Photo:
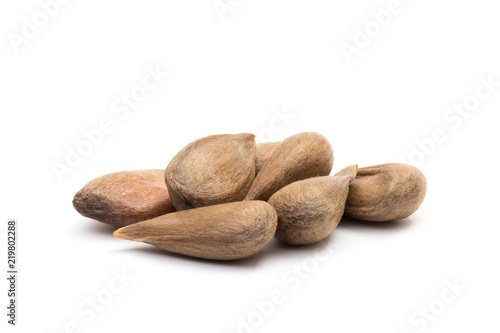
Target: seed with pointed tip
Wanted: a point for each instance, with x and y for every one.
(125, 197)
(221, 232)
(310, 209)
(386, 192)
(298, 157)
(213, 170)
(263, 152)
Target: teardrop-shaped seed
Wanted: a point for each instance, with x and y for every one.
(310, 209)
(386, 192)
(298, 157)
(213, 170)
(263, 152)
(221, 232)
(125, 197)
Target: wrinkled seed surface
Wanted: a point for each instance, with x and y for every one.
(125, 197)
(386, 192)
(221, 232)
(309, 210)
(298, 157)
(213, 170)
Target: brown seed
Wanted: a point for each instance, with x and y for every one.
(298, 157)
(212, 170)
(263, 152)
(386, 192)
(310, 209)
(221, 232)
(125, 197)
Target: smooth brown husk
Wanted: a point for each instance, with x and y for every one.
(221, 232)
(213, 170)
(263, 152)
(125, 197)
(298, 157)
(309, 210)
(386, 192)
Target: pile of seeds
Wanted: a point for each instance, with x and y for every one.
(224, 197)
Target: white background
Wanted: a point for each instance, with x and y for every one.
(230, 76)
